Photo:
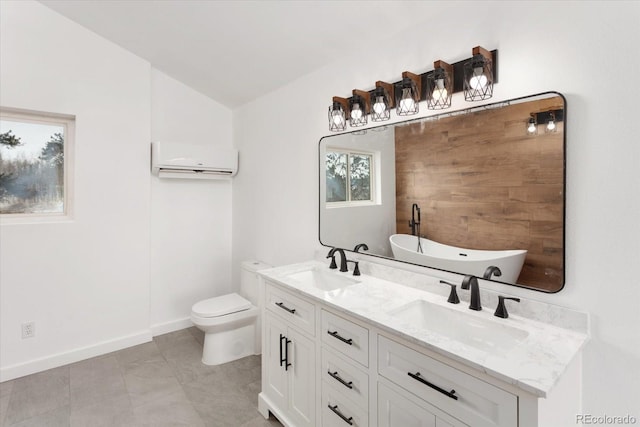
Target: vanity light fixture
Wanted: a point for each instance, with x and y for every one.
(440, 86)
(478, 75)
(532, 126)
(551, 123)
(474, 76)
(383, 102)
(359, 106)
(408, 94)
(338, 114)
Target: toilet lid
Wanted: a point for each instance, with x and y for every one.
(219, 306)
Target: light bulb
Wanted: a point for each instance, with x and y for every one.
(551, 126)
(356, 112)
(379, 105)
(532, 126)
(407, 104)
(479, 80)
(439, 92)
(337, 117)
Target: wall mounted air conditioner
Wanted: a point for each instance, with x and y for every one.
(177, 160)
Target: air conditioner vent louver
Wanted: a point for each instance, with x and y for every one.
(177, 160)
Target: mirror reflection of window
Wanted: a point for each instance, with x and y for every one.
(348, 177)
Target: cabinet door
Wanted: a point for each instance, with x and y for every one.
(396, 411)
(275, 385)
(302, 376)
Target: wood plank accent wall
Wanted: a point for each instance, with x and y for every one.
(483, 183)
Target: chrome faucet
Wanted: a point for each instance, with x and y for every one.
(343, 259)
(472, 281)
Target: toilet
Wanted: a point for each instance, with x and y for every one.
(231, 322)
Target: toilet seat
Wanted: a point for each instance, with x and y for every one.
(221, 306)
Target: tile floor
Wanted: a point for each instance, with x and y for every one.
(160, 383)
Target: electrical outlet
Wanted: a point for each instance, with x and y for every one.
(28, 330)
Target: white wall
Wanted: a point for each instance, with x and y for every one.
(190, 219)
(84, 282)
(584, 50)
(139, 251)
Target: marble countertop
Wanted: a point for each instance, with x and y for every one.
(534, 365)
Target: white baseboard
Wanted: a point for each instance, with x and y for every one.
(172, 326)
(38, 365)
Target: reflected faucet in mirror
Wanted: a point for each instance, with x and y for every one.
(362, 246)
(492, 270)
(415, 225)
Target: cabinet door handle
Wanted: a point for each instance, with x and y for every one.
(416, 376)
(284, 307)
(336, 335)
(341, 415)
(336, 377)
(286, 354)
(282, 360)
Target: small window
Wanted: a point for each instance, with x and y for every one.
(349, 177)
(34, 163)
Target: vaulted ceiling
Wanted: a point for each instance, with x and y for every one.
(237, 51)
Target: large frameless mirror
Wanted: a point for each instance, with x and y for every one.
(479, 191)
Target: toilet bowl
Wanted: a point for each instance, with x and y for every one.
(230, 322)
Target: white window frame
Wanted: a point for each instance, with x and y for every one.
(372, 179)
(68, 123)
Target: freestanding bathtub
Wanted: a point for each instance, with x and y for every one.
(459, 260)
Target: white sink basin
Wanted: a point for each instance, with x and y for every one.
(326, 280)
(483, 334)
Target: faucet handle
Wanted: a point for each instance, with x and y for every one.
(356, 269)
(331, 255)
(453, 296)
(501, 310)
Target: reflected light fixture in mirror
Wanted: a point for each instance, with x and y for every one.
(338, 114)
(408, 94)
(382, 102)
(532, 126)
(440, 86)
(359, 108)
(478, 76)
(551, 124)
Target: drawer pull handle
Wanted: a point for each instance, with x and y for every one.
(416, 376)
(341, 415)
(336, 377)
(336, 335)
(284, 307)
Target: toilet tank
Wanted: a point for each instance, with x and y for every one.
(249, 279)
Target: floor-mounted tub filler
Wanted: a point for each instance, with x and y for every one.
(460, 260)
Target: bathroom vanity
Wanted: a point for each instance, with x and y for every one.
(386, 349)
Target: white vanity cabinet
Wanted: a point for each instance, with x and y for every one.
(289, 359)
(327, 366)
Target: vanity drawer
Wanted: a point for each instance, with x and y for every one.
(463, 396)
(340, 411)
(295, 310)
(346, 377)
(346, 337)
